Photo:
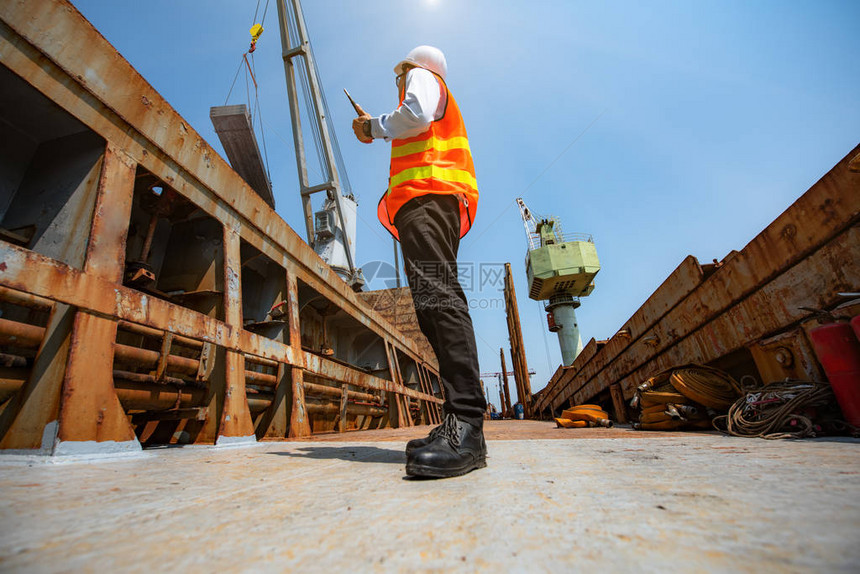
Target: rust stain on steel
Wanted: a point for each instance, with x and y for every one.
(88, 385)
(299, 423)
(106, 246)
(772, 308)
(787, 355)
(51, 279)
(236, 416)
(798, 260)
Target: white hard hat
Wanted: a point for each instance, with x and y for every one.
(426, 57)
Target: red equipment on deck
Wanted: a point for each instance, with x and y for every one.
(838, 350)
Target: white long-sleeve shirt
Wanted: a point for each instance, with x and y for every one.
(423, 103)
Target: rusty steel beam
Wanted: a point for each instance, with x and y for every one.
(265, 380)
(678, 285)
(261, 379)
(518, 352)
(56, 51)
(551, 389)
(806, 256)
(773, 307)
(88, 387)
(299, 423)
(123, 103)
(24, 268)
(563, 376)
(506, 401)
(236, 421)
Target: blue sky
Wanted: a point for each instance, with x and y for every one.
(663, 128)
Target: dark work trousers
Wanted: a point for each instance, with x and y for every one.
(429, 228)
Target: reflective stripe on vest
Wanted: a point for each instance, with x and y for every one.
(434, 172)
(438, 161)
(458, 142)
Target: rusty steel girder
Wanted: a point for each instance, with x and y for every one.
(114, 358)
(518, 351)
(747, 311)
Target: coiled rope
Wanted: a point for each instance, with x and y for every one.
(779, 410)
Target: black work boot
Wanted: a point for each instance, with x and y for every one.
(457, 448)
(417, 443)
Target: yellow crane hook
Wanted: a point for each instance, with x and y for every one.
(256, 31)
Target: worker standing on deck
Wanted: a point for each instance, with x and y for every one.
(429, 206)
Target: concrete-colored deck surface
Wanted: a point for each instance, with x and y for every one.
(608, 501)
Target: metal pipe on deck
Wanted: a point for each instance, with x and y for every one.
(329, 408)
(126, 355)
(11, 379)
(154, 397)
(156, 334)
(313, 388)
(151, 379)
(20, 335)
(7, 360)
(25, 299)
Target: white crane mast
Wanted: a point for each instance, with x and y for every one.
(331, 230)
(530, 224)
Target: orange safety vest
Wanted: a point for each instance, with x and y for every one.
(436, 161)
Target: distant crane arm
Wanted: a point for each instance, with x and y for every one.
(529, 223)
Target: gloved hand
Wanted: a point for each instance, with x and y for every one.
(358, 127)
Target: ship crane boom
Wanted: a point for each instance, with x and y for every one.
(529, 223)
(560, 269)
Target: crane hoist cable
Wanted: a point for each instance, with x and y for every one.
(251, 71)
(256, 10)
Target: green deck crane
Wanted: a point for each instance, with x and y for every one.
(560, 269)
